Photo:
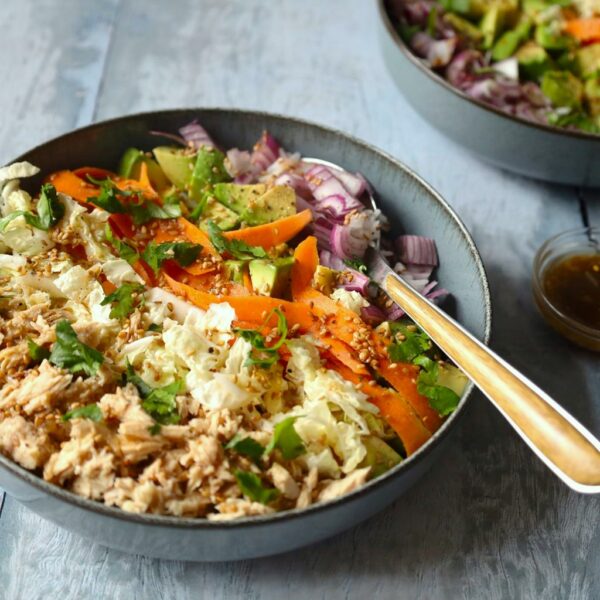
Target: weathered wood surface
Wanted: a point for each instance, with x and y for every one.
(488, 521)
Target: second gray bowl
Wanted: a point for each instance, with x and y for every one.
(538, 151)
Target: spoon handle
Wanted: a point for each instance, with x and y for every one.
(569, 449)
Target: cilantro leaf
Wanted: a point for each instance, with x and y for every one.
(247, 447)
(159, 403)
(141, 211)
(90, 411)
(415, 342)
(184, 253)
(132, 377)
(49, 208)
(125, 251)
(286, 439)
(154, 429)
(442, 399)
(124, 300)
(37, 353)
(252, 487)
(69, 353)
(50, 211)
(262, 355)
(236, 248)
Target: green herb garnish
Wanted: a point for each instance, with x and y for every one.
(286, 439)
(183, 253)
(442, 399)
(262, 355)
(50, 211)
(125, 300)
(140, 210)
(70, 354)
(247, 447)
(125, 251)
(90, 411)
(415, 342)
(37, 353)
(236, 248)
(159, 403)
(252, 487)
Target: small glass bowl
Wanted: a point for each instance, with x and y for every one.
(570, 243)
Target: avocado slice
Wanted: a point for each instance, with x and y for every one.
(509, 41)
(380, 456)
(562, 88)
(548, 36)
(451, 377)
(271, 277)
(255, 204)
(130, 165)
(209, 169)
(491, 25)
(224, 217)
(463, 26)
(176, 163)
(534, 61)
(587, 61)
(234, 270)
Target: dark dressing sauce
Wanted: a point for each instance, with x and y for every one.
(573, 286)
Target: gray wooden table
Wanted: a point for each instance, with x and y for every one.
(488, 521)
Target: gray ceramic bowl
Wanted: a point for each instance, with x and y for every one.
(539, 151)
(412, 206)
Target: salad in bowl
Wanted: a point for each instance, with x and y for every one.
(195, 333)
(534, 59)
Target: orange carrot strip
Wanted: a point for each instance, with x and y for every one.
(306, 260)
(251, 309)
(272, 234)
(66, 182)
(585, 30)
(343, 323)
(394, 408)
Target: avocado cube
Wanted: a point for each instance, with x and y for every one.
(549, 36)
(463, 26)
(209, 169)
(587, 61)
(234, 270)
(509, 41)
(491, 25)
(562, 88)
(214, 211)
(325, 279)
(533, 60)
(271, 277)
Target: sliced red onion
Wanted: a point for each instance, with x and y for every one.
(302, 204)
(345, 244)
(316, 175)
(437, 53)
(238, 162)
(354, 183)
(462, 68)
(334, 207)
(354, 281)
(265, 151)
(333, 187)
(245, 178)
(171, 136)
(296, 182)
(322, 231)
(393, 313)
(417, 250)
(327, 259)
(372, 314)
(193, 133)
(416, 275)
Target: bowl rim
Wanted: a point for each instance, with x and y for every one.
(167, 521)
(410, 56)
